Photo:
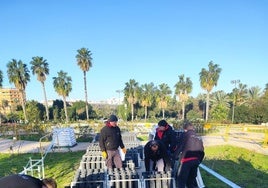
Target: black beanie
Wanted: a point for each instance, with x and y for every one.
(113, 118)
(162, 123)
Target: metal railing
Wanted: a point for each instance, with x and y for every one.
(219, 177)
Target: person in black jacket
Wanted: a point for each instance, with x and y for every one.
(156, 156)
(191, 153)
(110, 141)
(167, 135)
(26, 181)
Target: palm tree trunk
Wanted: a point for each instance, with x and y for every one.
(85, 87)
(23, 105)
(207, 106)
(46, 104)
(183, 110)
(132, 111)
(65, 109)
(145, 110)
(163, 112)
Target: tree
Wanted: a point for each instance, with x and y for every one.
(35, 111)
(84, 61)
(18, 74)
(63, 86)
(40, 68)
(163, 97)
(1, 78)
(147, 94)
(130, 91)
(254, 93)
(241, 94)
(220, 106)
(208, 79)
(183, 88)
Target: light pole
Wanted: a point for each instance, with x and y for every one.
(119, 91)
(234, 98)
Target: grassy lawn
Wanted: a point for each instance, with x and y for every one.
(239, 165)
(243, 167)
(61, 166)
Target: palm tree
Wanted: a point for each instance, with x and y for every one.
(63, 86)
(208, 79)
(220, 105)
(18, 74)
(234, 97)
(163, 96)
(241, 94)
(254, 93)
(130, 91)
(147, 94)
(84, 61)
(1, 78)
(40, 68)
(183, 88)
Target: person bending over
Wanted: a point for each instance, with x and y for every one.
(156, 156)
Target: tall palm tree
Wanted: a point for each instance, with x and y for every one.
(1, 78)
(163, 97)
(147, 94)
(84, 61)
(130, 91)
(40, 68)
(18, 74)
(208, 79)
(183, 88)
(234, 96)
(241, 94)
(63, 86)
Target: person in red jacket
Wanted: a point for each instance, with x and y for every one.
(167, 135)
(110, 141)
(26, 181)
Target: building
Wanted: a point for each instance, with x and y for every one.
(9, 100)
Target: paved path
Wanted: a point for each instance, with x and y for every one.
(21, 146)
(235, 139)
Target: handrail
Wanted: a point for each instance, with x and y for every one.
(40, 143)
(218, 176)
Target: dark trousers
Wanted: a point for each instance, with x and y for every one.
(113, 159)
(187, 174)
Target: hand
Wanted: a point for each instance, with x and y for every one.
(124, 150)
(104, 154)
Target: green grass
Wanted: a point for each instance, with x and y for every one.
(61, 166)
(241, 166)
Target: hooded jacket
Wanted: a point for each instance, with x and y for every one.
(168, 137)
(110, 138)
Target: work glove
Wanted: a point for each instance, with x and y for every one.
(104, 154)
(124, 150)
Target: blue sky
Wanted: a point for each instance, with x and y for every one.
(149, 41)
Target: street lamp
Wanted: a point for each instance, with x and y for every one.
(119, 91)
(234, 98)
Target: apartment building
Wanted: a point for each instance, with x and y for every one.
(9, 99)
